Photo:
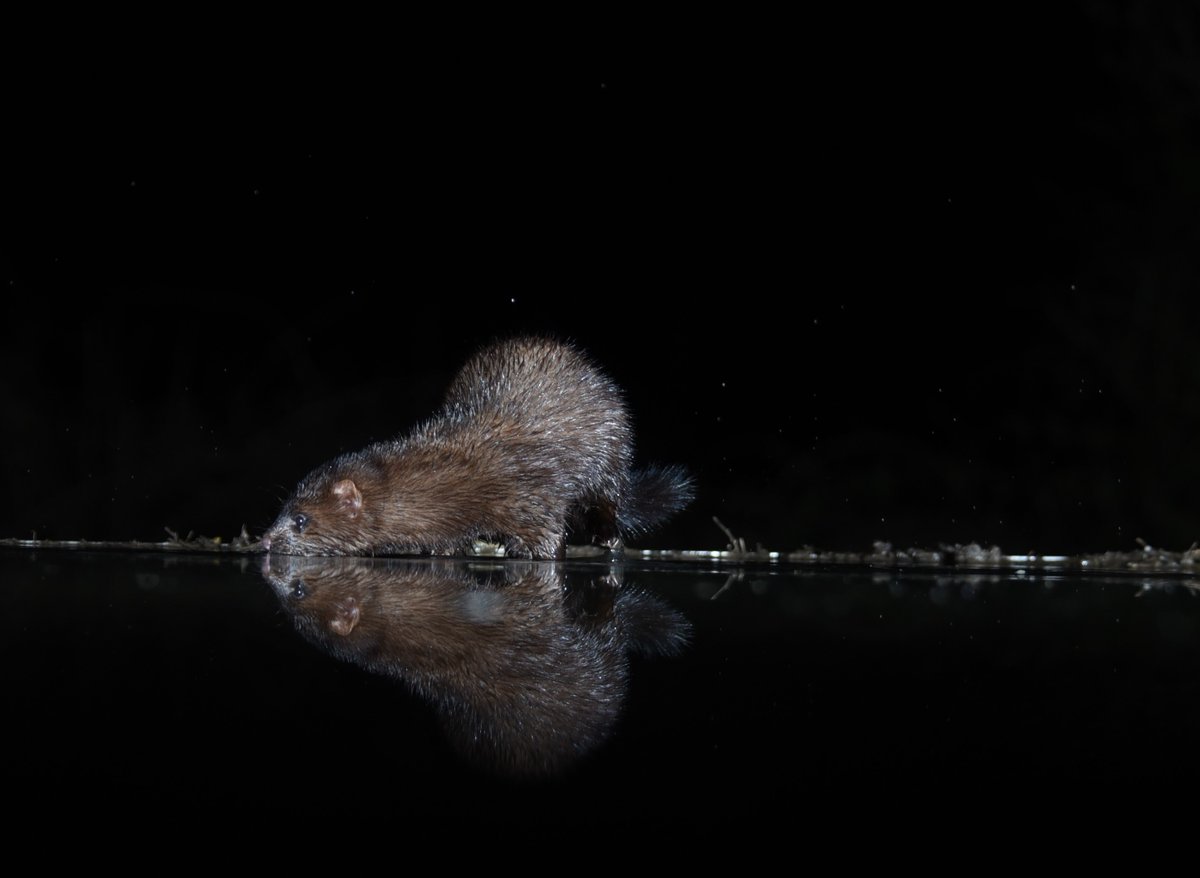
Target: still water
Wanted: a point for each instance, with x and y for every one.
(584, 691)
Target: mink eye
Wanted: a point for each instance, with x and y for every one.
(298, 590)
(301, 521)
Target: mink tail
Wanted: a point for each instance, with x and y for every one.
(654, 495)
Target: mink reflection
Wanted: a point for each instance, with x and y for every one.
(527, 669)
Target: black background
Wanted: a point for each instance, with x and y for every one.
(918, 280)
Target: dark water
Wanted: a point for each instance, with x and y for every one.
(184, 687)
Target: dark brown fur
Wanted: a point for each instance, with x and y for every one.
(532, 438)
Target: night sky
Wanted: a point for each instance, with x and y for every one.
(888, 282)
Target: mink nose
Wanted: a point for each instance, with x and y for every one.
(265, 542)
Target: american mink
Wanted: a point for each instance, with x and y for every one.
(533, 440)
(526, 667)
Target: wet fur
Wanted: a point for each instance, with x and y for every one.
(532, 440)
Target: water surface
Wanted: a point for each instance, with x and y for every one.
(692, 692)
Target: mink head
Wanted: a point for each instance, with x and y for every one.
(327, 514)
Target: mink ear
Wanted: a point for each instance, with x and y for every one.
(345, 616)
(348, 497)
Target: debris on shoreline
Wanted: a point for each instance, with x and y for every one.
(1146, 559)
